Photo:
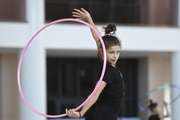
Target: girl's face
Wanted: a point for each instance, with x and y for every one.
(113, 53)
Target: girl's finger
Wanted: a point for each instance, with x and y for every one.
(76, 13)
(67, 112)
(83, 10)
(77, 10)
(77, 16)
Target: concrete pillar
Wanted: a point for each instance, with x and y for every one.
(143, 83)
(175, 73)
(33, 77)
(33, 82)
(178, 7)
(175, 79)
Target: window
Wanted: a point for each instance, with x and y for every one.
(71, 80)
(13, 10)
(102, 11)
(155, 12)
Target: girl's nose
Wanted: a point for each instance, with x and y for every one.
(115, 55)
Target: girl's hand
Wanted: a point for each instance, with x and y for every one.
(165, 103)
(81, 14)
(72, 113)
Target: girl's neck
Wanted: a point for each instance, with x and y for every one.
(154, 112)
(112, 65)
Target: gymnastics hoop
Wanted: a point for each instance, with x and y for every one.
(157, 89)
(23, 53)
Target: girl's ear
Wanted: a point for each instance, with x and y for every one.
(101, 51)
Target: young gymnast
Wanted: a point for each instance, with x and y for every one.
(155, 115)
(106, 103)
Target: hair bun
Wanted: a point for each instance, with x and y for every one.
(150, 101)
(110, 29)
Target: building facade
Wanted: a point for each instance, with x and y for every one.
(155, 44)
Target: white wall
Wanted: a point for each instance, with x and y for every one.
(73, 36)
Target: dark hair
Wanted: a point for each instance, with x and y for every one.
(152, 105)
(110, 29)
(109, 38)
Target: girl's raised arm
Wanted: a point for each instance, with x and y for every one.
(167, 111)
(82, 14)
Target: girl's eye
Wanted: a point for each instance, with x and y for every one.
(111, 52)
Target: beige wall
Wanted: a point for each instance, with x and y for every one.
(8, 87)
(159, 74)
(153, 72)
